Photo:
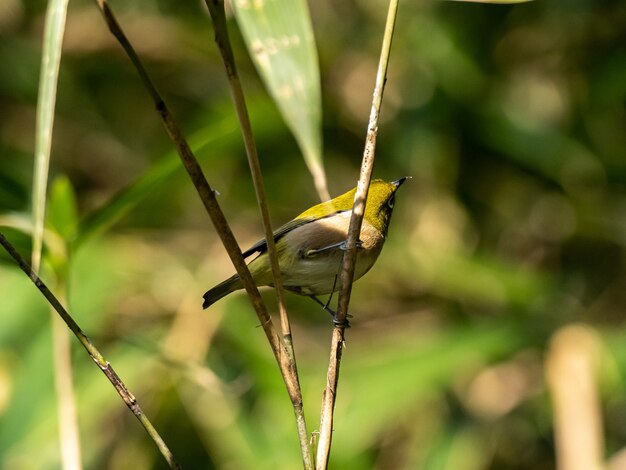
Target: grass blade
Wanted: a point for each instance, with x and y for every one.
(50, 60)
(280, 39)
(124, 201)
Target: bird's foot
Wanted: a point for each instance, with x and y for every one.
(341, 323)
(345, 323)
(343, 246)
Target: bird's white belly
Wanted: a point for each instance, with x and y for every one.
(319, 274)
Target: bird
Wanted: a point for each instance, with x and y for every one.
(310, 247)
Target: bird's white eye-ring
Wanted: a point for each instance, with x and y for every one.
(391, 202)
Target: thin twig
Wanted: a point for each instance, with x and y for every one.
(218, 16)
(216, 9)
(207, 195)
(104, 365)
(349, 259)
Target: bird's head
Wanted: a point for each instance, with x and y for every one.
(380, 201)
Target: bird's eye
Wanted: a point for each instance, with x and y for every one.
(391, 202)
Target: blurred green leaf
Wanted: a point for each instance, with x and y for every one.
(125, 200)
(50, 61)
(32, 411)
(156, 176)
(411, 370)
(62, 210)
(458, 447)
(280, 39)
(494, 1)
(14, 189)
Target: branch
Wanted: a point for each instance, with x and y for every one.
(349, 258)
(103, 364)
(218, 16)
(207, 195)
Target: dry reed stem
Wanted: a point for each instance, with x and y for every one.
(281, 351)
(218, 16)
(349, 258)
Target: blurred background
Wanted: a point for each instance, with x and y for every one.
(504, 275)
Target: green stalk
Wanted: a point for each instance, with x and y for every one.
(50, 63)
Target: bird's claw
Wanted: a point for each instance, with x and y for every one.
(341, 323)
(344, 246)
(345, 323)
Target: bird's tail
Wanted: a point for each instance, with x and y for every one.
(221, 290)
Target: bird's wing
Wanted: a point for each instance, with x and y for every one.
(261, 245)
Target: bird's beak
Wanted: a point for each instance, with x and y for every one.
(398, 183)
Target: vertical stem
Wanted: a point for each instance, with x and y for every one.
(66, 398)
(281, 352)
(349, 258)
(69, 441)
(216, 10)
(571, 376)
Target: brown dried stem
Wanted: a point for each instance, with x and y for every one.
(218, 16)
(349, 258)
(282, 352)
(100, 361)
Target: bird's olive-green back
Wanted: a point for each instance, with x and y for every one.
(377, 210)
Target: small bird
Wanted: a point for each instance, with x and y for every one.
(310, 247)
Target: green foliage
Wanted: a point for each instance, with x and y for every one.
(510, 120)
(50, 60)
(279, 38)
(62, 210)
